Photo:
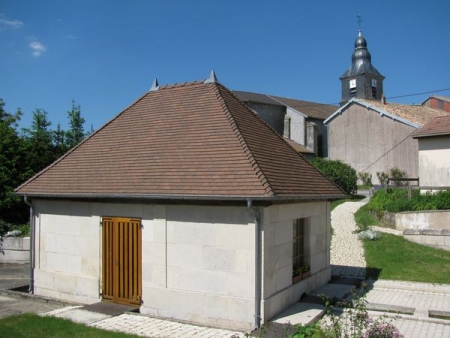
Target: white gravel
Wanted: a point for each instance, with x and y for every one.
(346, 248)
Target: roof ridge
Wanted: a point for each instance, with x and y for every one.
(253, 162)
(181, 84)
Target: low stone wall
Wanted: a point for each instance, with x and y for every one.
(437, 238)
(15, 250)
(420, 220)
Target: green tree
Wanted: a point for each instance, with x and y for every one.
(39, 139)
(59, 141)
(13, 168)
(76, 132)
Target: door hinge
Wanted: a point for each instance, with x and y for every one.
(101, 223)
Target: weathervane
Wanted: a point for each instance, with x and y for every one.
(359, 20)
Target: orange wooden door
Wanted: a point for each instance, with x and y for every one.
(121, 258)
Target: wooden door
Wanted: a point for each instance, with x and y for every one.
(121, 268)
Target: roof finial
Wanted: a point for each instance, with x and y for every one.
(212, 78)
(155, 85)
(359, 20)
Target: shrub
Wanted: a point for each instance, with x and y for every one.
(6, 227)
(397, 201)
(369, 234)
(342, 174)
(355, 321)
(364, 218)
(397, 174)
(382, 177)
(366, 179)
(382, 330)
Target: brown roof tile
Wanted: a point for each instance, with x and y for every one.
(183, 141)
(417, 114)
(438, 126)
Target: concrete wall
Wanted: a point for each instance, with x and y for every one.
(197, 261)
(15, 250)
(434, 161)
(420, 220)
(298, 126)
(372, 143)
(278, 290)
(322, 137)
(430, 237)
(271, 114)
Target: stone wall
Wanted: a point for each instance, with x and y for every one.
(15, 250)
(420, 220)
(437, 238)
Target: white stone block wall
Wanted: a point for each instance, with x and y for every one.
(67, 252)
(279, 292)
(197, 261)
(199, 265)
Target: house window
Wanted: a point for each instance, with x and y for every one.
(300, 249)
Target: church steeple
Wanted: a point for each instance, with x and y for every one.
(361, 80)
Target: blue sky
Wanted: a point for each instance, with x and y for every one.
(106, 54)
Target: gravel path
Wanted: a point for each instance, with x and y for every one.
(347, 252)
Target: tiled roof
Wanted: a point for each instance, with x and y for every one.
(415, 115)
(439, 97)
(438, 126)
(192, 140)
(311, 109)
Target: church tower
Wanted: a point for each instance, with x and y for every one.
(361, 80)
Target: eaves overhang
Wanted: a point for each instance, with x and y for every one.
(382, 112)
(430, 135)
(183, 198)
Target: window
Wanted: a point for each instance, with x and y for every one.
(374, 92)
(299, 252)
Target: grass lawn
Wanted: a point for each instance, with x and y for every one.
(32, 325)
(393, 257)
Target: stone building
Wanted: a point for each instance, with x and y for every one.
(299, 121)
(369, 133)
(186, 205)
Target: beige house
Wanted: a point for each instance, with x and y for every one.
(373, 136)
(186, 205)
(434, 152)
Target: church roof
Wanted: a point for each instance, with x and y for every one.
(439, 126)
(307, 108)
(361, 60)
(413, 115)
(190, 141)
